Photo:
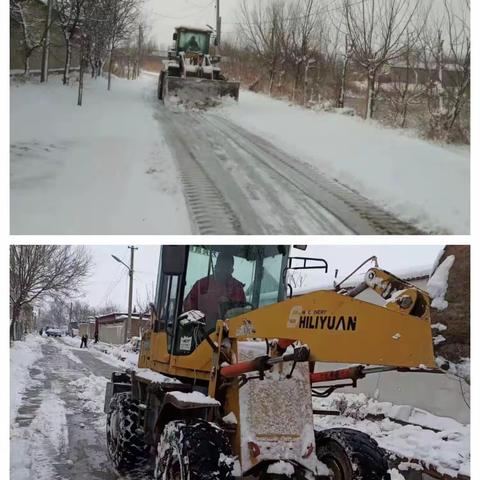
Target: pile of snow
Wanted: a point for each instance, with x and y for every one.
(102, 168)
(438, 442)
(438, 284)
(91, 390)
(421, 182)
(281, 468)
(23, 355)
(194, 397)
(37, 448)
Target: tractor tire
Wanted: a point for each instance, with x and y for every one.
(351, 455)
(194, 450)
(125, 446)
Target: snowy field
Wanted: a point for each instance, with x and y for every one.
(57, 427)
(423, 183)
(100, 168)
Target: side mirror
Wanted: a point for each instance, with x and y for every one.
(173, 259)
(175, 36)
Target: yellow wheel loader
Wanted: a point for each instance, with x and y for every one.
(226, 374)
(191, 75)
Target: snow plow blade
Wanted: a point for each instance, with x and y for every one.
(199, 91)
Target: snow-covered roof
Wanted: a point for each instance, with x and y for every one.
(192, 28)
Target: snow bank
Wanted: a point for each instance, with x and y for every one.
(439, 442)
(103, 168)
(23, 355)
(438, 284)
(35, 449)
(421, 182)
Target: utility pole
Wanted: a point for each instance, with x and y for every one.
(130, 294)
(219, 26)
(136, 74)
(46, 44)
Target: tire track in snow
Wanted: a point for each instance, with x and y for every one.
(347, 205)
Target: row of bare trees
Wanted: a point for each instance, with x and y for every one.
(97, 28)
(309, 50)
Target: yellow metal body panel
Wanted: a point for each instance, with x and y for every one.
(154, 355)
(342, 329)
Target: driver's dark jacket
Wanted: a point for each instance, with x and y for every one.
(209, 287)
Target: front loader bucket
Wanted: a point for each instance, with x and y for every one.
(199, 91)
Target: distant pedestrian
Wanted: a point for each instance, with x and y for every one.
(95, 337)
(84, 341)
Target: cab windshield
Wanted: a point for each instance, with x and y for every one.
(193, 42)
(225, 281)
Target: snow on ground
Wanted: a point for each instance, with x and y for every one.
(421, 182)
(103, 168)
(438, 442)
(91, 389)
(36, 446)
(23, 355)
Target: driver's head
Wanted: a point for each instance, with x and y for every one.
(224, 266)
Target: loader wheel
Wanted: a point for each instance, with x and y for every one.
(126, 447)
(351, 455)
(196, 450)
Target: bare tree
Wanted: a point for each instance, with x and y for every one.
(69, 13)
(34, 29)
(406, 90)
(378, 30)
(122, 22)
(39, 271)
(447, 45)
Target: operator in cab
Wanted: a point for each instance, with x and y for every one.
(214, 294)
(192, 45)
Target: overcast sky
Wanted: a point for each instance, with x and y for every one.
(109, 280)
(164, 15)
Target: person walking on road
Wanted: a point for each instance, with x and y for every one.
(95, 337)
(84, 341)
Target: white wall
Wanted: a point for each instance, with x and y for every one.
(113, 334)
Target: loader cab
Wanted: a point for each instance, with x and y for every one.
(222, 281)
(192, 40)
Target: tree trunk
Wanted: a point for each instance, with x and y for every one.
(80, 77)
(26, 64)
(46, 45)
(372, 76)
(13, 323)
(110, 66)
(68, 57)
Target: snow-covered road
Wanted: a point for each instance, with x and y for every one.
(123, 163)
(58, 431)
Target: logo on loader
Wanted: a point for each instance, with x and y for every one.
(294, 317)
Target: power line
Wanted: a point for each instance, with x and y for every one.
(301, 17)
